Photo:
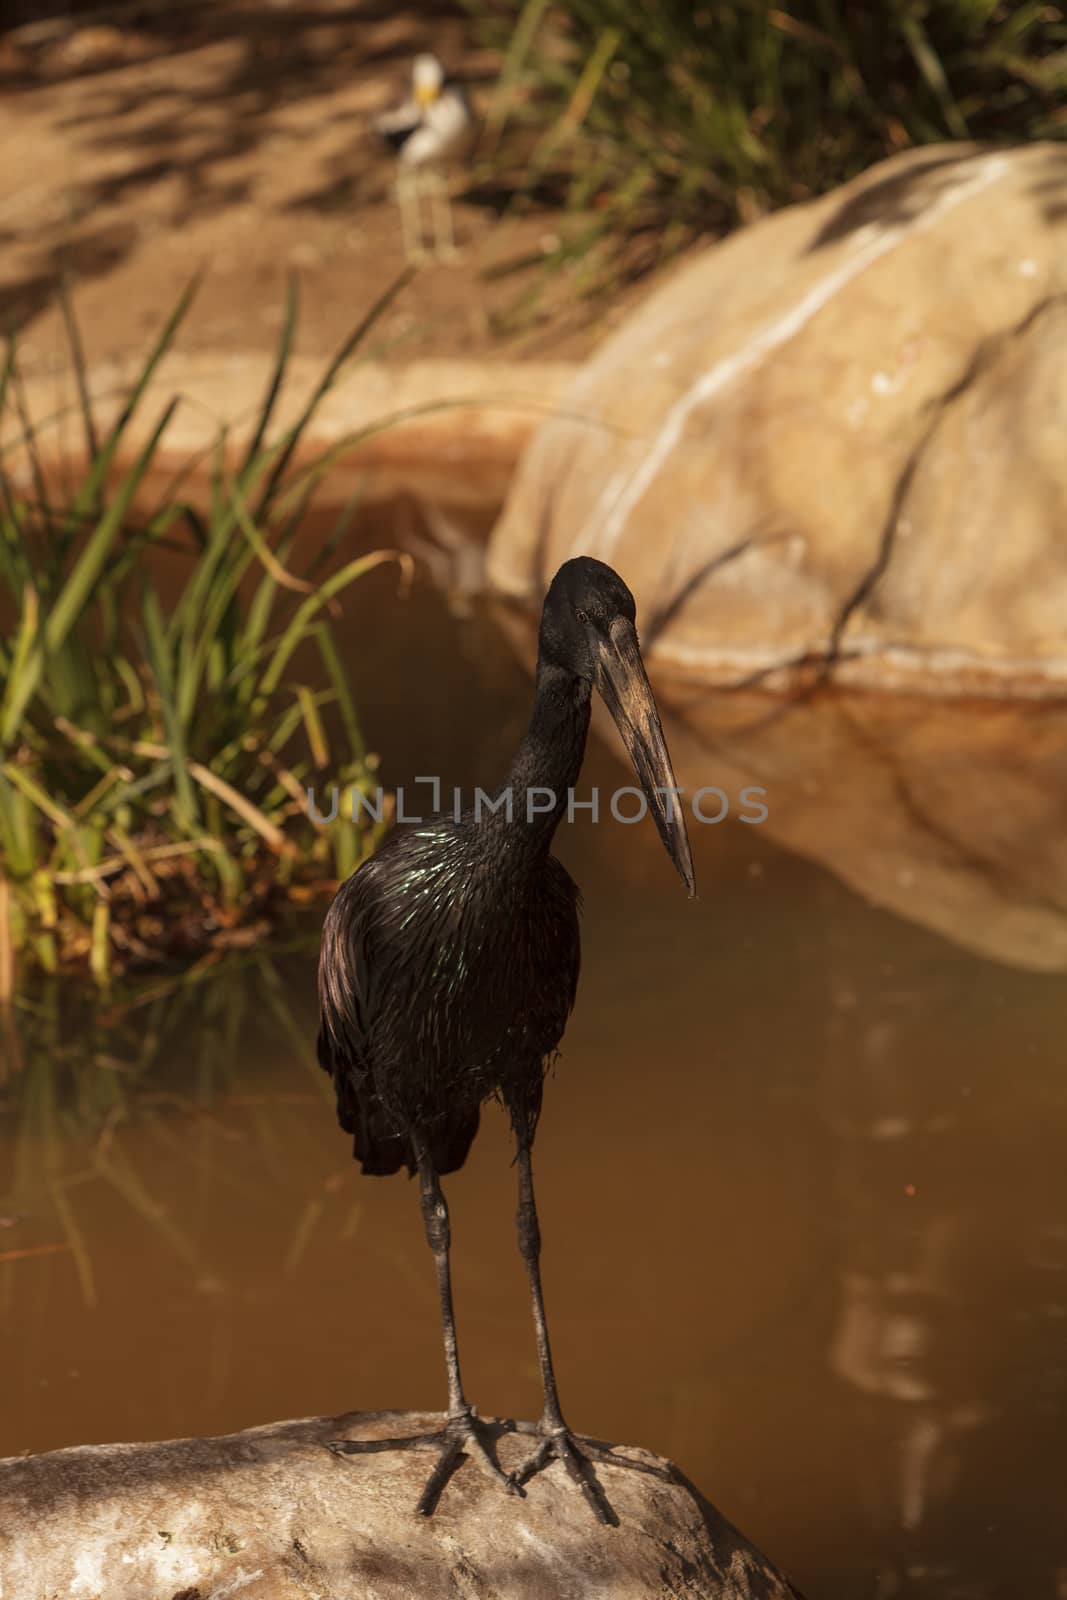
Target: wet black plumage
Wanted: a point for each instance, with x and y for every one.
(450, 961)
(494, 977)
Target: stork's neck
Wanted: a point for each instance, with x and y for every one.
(549, 757)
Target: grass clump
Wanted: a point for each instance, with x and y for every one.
(157, 739)
(652, 124)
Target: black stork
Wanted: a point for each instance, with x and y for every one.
(449, 966)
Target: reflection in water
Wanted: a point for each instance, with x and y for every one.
(952, 1300)
(801, 1172)
(85, 1087)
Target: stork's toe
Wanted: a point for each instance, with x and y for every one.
(463, 1434)
(577, 1454)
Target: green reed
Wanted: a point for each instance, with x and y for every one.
(156, 745)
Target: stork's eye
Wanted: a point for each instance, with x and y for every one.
(581, 616)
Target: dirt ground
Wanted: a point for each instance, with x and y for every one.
(232, 140)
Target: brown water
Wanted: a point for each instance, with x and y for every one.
(801, 1175)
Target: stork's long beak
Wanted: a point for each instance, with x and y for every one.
(627, 693)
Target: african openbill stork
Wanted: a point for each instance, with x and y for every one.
(449, 966)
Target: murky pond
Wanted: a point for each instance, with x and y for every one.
(801, 1173)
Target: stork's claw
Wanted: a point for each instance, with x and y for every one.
(577, 1455)
(463, 1433)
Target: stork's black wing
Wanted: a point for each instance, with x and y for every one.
(346, 1000)
(342, 1034)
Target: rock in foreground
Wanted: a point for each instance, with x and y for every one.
(269, 1514)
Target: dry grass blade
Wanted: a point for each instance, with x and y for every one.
(269, 560)
(242, 808)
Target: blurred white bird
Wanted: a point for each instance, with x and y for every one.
(435, 125)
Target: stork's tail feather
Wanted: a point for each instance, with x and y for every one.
(450, 1140)
(382, 1152)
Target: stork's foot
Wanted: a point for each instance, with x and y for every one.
(463, 1433)
(577, 1454)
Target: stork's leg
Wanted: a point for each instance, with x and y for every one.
(407, 199)
(444, 239)
(556, 1439)
(463, 1430)
(439, 1237)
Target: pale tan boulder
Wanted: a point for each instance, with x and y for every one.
(842, 430)
(834, 448)
(270, 1514)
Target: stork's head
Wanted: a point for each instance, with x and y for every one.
(427, 80)
(588, 628)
